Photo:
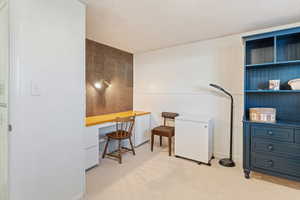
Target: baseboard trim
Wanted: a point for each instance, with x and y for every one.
(177, 92)
(238, 159)
(142, 144)
(80, 196)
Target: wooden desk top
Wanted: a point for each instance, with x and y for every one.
(100, 119)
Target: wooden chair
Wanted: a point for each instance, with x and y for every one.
(123, 131)
(164, 131)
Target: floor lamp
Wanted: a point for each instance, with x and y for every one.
(227, 162)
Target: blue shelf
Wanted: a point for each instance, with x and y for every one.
(288, 62)
(273, 64)
(260, 51)
(278, 122)
(288, 47)
(278, 55)
(273, 57)
(261, 64)
(272, 91)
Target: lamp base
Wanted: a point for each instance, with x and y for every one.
(226, 162)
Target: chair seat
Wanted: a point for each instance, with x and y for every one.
(164, 130)
(118, 135)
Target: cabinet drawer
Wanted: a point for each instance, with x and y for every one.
(142, 129)
(278, 148)
(91, 157)
(91, 136)
(274, 133)
(285, 166)
(297, 136)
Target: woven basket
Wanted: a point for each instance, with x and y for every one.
(263, 115)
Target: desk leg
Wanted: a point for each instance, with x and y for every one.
(120, 152)
(152, 141)
(170, 145)
(105, 149)
(160, 140)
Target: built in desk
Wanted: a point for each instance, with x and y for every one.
(98, 126)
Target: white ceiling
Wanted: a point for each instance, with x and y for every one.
(142, 25)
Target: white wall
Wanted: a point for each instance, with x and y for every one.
(176, 79)
(46, 144)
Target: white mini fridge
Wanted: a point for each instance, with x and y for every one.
(194, 138)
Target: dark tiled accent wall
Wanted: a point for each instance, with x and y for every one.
(115, 66)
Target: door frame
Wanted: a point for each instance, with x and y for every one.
(4, 190)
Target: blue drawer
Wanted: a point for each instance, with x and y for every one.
(273, 133)
(297, 136)
(278, 148)
(276, 164)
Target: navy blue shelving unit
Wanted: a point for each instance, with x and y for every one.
(272, 148)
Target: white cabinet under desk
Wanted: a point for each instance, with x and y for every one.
(91, 146)
(142, 130)
(97, 127)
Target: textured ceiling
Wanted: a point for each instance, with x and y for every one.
(143, 25)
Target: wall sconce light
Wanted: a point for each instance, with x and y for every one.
(99, 85)
(106, 83)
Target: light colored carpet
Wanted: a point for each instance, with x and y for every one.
(156, 176)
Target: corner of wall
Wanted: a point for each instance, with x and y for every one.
(84, 2)
(81, 196)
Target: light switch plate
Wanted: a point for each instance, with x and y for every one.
(35, 89)
(3, 95)
(2, 88)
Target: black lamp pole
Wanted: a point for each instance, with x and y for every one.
(227, 162)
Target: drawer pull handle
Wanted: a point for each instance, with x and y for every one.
(270, 147)
(270, 163)
(270, 133)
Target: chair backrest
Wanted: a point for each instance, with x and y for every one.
(168, 115)
(125, 125)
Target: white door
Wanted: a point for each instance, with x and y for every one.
(46, 97)
(4, 100)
